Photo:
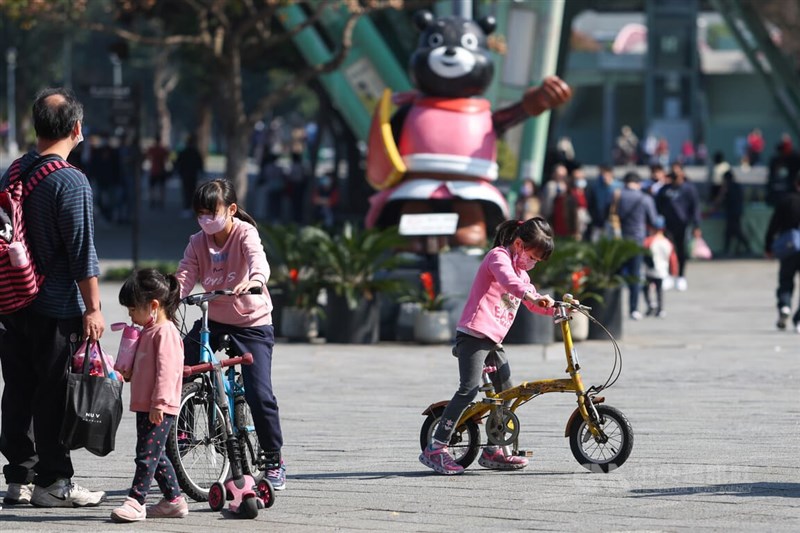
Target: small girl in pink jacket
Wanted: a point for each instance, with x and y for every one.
(156, 378)
(500, 286)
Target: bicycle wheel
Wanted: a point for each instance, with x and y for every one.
(464, 444)
(249, 446)
(196, 450)
(608, 453)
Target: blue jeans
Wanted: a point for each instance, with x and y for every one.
(632, 269)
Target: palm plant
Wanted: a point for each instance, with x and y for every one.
(603, 259)
(354, 263)
(292, 254)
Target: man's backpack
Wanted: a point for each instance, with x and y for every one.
(19, 285)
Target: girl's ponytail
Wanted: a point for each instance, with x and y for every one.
(535, 233)
(173, 298)
(506, 232)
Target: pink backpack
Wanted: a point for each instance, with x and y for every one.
(19, 277)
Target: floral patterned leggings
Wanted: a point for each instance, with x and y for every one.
(151, 459)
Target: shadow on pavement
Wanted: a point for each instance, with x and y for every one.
(762, 488)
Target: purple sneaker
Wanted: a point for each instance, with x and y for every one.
(277, 476)
(440, 460)
(494, 459)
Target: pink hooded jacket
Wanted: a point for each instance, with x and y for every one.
(241, 258)
(495, 296)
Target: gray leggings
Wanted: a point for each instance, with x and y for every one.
(472, 354)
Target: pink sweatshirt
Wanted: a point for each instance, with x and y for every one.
(157, 374)
(241, 258)
(495, 296)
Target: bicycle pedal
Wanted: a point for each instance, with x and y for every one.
(523, 453)
(492, 401)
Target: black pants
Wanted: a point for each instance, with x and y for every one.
(789, 268)
(257, 377)
(656, 283)
(677, 234)
(35, 352)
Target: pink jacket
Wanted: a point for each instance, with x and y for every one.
(157, 374)
(495, 296)
(241, 258)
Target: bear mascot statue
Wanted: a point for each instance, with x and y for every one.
(437, 152)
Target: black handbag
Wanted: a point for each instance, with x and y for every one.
(93, 409)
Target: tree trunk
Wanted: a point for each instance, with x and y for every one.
(164, 82)
(236, 162)
(203, 127)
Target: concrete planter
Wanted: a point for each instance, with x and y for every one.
(299, 324)
(432, 327)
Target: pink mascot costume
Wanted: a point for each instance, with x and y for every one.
(438, 152)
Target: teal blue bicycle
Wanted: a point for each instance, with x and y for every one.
(213, 444)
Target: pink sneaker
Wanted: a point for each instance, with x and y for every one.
(494, 458)
(164, 509)
(440, 460)
(130, 511)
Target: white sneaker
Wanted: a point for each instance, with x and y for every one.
(681, 284)
(18, 494)
(783, 317)
(636, 315)
(668, 283)
(63, 493)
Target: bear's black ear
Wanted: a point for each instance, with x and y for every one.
(488, 24)
(423, 19)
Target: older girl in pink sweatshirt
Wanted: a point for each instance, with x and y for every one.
(227, 254)
(500, 286)
(156, 378)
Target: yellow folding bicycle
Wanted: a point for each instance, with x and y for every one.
(600, 436)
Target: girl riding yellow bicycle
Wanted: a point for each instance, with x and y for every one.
(500, 286)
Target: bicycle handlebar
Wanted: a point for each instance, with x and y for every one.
(194, 299)
(245, 359)
(571, 302)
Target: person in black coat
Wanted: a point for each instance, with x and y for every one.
(189, 166)
(785, 217)
(679, 204)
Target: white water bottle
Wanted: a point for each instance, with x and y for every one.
(17, 255)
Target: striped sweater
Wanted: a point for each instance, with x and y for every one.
(60, 231)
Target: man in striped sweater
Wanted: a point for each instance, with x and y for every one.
(37, 341)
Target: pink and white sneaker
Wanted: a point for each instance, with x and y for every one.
(440, 460)
(493, 458)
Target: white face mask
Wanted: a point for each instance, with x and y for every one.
(79, 139)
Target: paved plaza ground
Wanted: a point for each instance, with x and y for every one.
(709, 391)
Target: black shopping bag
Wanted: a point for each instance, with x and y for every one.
(93, 410)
